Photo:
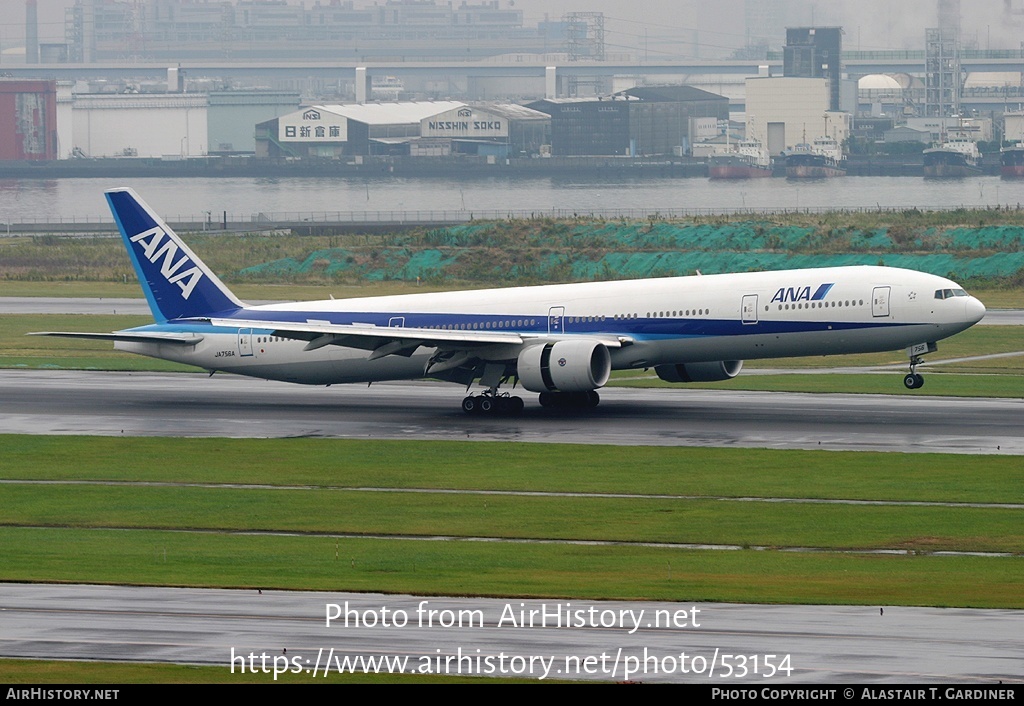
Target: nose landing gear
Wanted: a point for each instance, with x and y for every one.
(914, 380)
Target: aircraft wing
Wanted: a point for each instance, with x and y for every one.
(387, 340)
(183, 339)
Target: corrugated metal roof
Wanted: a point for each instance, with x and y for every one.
(671, 94)
(511, 111)
(401, 113)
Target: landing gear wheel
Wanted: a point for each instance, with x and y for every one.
(502, 405)
(913, 381)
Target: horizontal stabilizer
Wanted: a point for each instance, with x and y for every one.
(184, 339)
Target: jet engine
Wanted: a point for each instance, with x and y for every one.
(700, 372)
(565, 366)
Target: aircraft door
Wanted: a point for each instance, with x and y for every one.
(396, 322)
(556, 319)
(880, 301)
(748, 309)
(245, 342)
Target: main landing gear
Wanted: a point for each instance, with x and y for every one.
(503, 404)
(491, 402)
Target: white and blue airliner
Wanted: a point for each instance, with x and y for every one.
(561, 341)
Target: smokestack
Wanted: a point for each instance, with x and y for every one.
(949, 15)
(31, 31)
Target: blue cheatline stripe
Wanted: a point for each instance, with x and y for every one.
(640, 328)
(822, 291)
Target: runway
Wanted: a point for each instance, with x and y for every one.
(712, 644)
(824, 645)
(155, 404)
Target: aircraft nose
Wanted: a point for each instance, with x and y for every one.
(974, 310)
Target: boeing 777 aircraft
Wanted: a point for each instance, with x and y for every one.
(562, 341)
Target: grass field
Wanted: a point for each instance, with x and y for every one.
(324, 514)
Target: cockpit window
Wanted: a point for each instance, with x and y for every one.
(959, 293)
(949, 293)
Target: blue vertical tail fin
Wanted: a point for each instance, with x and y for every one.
(177, 284)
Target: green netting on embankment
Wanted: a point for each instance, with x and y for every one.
(637, 265)
(1005, 238)
(401, 264)
(638, 235)
(538, 251)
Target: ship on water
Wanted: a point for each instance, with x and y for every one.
(820, 159)
(748, 160)
(956, 156)
(1011, 160)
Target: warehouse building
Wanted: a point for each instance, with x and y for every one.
(429, 128)
(500, 130)
(332, 131)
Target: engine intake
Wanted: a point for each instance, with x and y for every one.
(565, 366)
(715, 371)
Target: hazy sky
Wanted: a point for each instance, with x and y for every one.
(639, 26)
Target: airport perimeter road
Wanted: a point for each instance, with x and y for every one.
(720, 644)
(154, 404)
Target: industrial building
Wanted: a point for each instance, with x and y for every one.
(643, 121)
(784, 112)
(428, 128)
(233, 115)
(139, 125)
(815, 52)
(50, 120)
(28, 120)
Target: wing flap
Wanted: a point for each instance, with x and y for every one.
(370, 337)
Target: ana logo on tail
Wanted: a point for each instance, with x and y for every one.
(159, 246)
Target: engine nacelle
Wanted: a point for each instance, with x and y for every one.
(565, 366)
(715, 371)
